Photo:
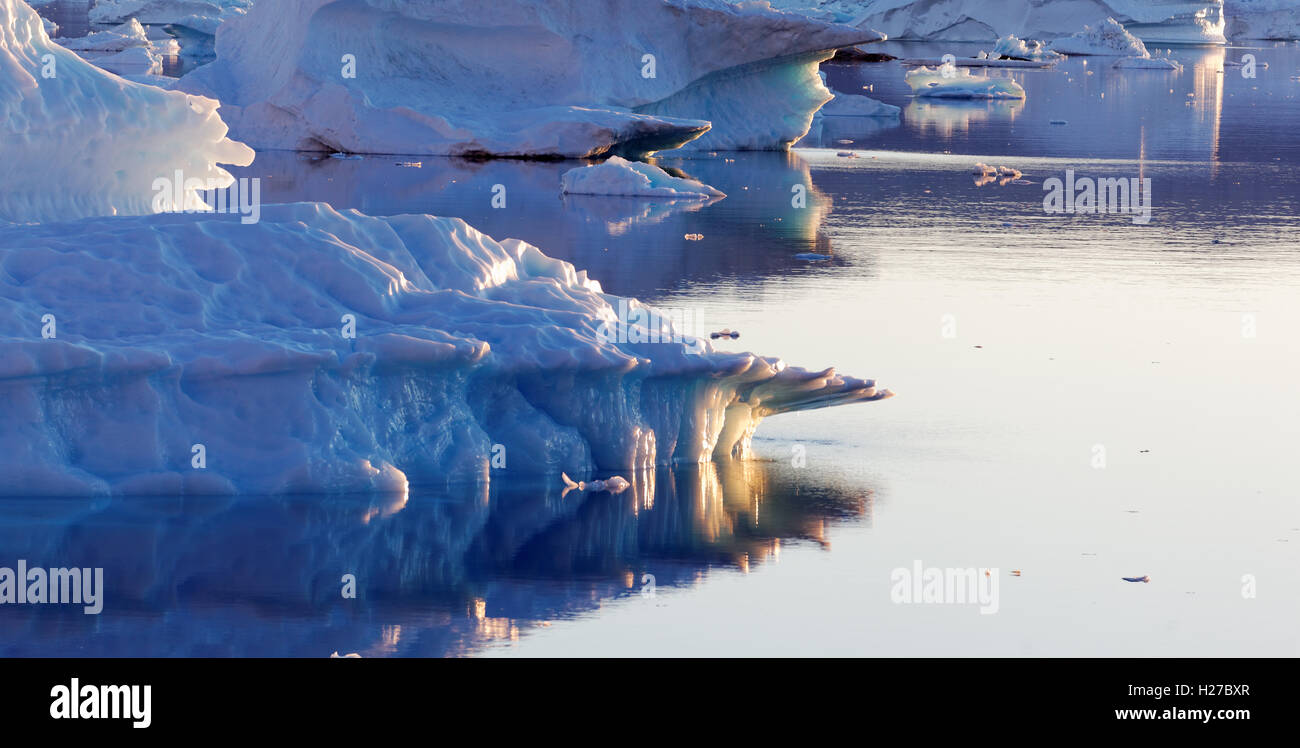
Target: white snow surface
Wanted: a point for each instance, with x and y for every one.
(176, 330)
(618, 176)
(200, 15)
(559, 78)
(951, 82)
(1107, 38)
(85, 142)
(1029, 49)
(1163, 21)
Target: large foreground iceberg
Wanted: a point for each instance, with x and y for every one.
(319, 351)
(1163, 21)
(557, 78)
(77, 141)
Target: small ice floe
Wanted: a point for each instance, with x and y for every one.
(615, 484)
(1011, 48)
(724, 333)
(949, 82)
(1149, 63)
(349, 655)
(846, 154)
(845, 142)
(346, 156)
(985, 174)
(1137, 579)
(811, 257)
(618, 176)
(693, 237)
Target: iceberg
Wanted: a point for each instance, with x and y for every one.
(1024, 49)
(562, 79)
(1156, 21)
(1108, 38)
(201, 15)
(318, 351)
(618, 176)
(78, 141)
(951, 82)
(1262, 19)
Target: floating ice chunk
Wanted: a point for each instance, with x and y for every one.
(618, 176)
(523, 79)
(319, 351)
(853, 105)
(1148, 63)
(77, 141)
(1108, 38)
(1025, 49)
(128, 35)
(200, 15)
(133, 61)
(951, 82)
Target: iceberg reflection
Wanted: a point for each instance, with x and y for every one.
(436, 574)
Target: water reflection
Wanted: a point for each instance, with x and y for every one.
(437, 574)
(634, 247)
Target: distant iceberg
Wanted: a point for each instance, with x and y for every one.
(76, 141)
(1263, 19)
(318, 351)
(1157, 21)
(618, 176)
(566, 78)
(200, 15)
(1107, 38)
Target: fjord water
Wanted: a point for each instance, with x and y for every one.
(1079, 398)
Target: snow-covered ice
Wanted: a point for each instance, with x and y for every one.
(530, 78)
(1106, 38)
(200, 15)
(1262, 19)
(1028, 49)
(78, 141)
(618, 176)
(1163, 21)
(951, 82)
(187, 336)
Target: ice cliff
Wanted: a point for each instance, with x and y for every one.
(77, 141)
(318, 351)
(1163, 21)
(565, 78)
